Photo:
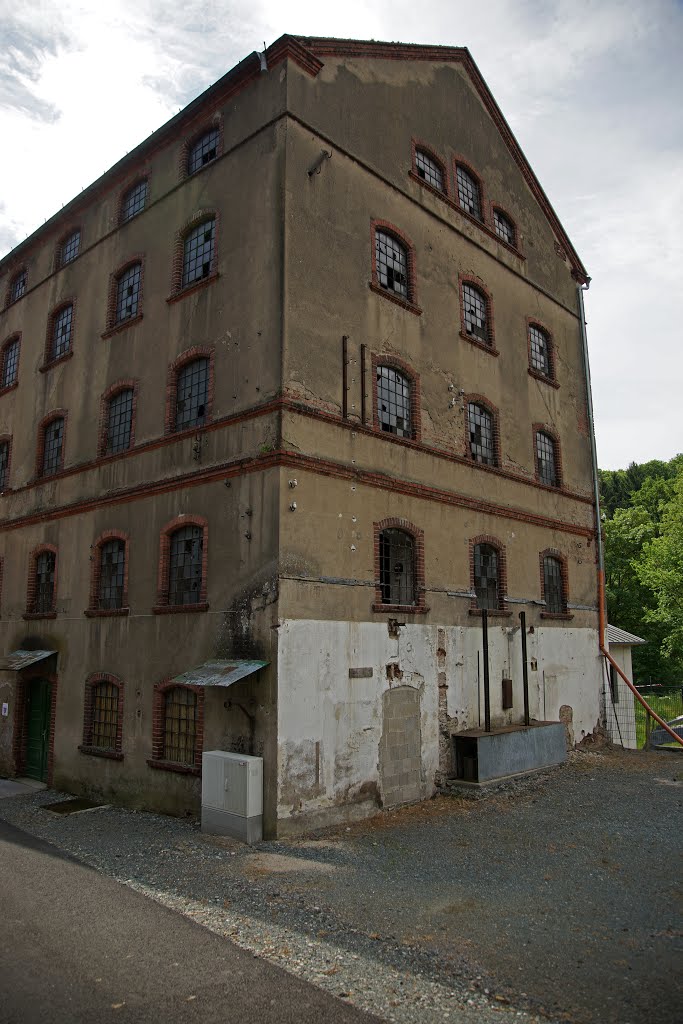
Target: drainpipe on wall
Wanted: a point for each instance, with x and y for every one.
(598, 526)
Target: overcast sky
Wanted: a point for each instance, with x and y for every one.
(592, 89)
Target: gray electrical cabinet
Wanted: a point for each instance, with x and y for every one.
(232, 795)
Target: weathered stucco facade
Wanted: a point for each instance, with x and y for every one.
(288, 471)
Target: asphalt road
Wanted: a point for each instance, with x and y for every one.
(78, 946)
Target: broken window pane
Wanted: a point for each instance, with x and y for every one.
(397, 567)
(504, 227)
(112, 567)
(428, 170)
(71, 247)
(198, 252)
(545, 459)
(61, 332)
(539, 350)
(486, 582)
(475, 313)
(393, 402)
(52, 449)
(482, 440)
(134, 200)
(469, 195)
(392, 264)
(10, 363)
(185, 566)
(192, 394)
(203, 151)
(43, 599)
(119, 422)
(128, 293)
(553, 585)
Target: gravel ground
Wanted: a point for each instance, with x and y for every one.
(552, 898)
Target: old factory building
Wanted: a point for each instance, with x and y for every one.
(288, 397)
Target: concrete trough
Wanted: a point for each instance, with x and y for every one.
(481, 757)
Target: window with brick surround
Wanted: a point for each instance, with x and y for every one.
(69, 248)
(469, 192)
(198, 252)
(427, 168)
(9, 365)
(487, 576)
(118, 427)
(540, 351)
(180, 716)
(393, 402)
(481, 425)
(134, 200)
(554, 586)
(61, 332)
(504, 228)
(112, 574)
(546, 459)
(41, 599)
(186, 566)
(18, 286)
(392, 264)
(102, 716)
(4, 465)
(476, 314)
(397, 567)
(192, 394)
(52, 447)
(128, 293)
(203, 151)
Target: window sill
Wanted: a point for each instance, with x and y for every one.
(563, 616)
(10, 387)
(175, 609)
(111, 755)
(173, 766)
(39, 615)
(104, 613)
(122, 325)
(499, 613)
(540, 376)
(484, 346)
(56, 362)
(403, 303)
(194, 287)
(400, 609)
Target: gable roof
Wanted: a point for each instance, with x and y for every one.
(322, 47)
(620, 636)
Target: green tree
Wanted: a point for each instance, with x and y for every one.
(660, 569)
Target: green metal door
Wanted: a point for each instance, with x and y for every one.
(37, 728)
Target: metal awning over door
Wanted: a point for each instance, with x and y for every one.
(219, 673)
(16, 660)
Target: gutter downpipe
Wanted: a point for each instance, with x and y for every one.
(598, 525)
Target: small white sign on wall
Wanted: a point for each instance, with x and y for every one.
(5, 710)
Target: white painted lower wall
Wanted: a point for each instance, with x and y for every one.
(332, 677)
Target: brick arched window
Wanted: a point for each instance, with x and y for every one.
(202, 149)
(17, 286)
(476, 315)
(504, 227)
(5, 460)
(128, 293)
(60, 333)
(109, 579)
(183, 561)
(482, 432)
(428, 168)
(469, 191)
(554, 584)
(547, 457)
(51, 438)
(399, 566)
(541, 352)
(103, 716)
(190, 390)
(68, 249)
(488, 574)
(178, 728)
(396, 397)
(134, 200)
(393, 265)
(9, 362)
(195, 254)
(117, 418)
(41, 592)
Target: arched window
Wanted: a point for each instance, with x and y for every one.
(391, 259)
(482, 434)
(111, 574)
(487, 576)
(127, 300)
(17, 286)
(203, 151)
(9, 362)
(553, 586)
(69, 248)
(393, 402)
(41, 584)
(198, 252)
(103, 714)
(118, 422)
(546, 459)
(397, 567)
(180, 725)
(51, 452)
(134, 200)
(504, 228)
(469, 192)
(185, 575)
(540, 352)
(429, 170)
(60, 333)
(4, 464)
(475, 313)
(192, 394)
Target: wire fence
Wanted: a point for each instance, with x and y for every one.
(629, 724)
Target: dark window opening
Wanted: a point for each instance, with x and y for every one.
(10, 364)
(539, 346)
(393, 402)
(71, 247)
(4, 464)
(180, 725)
(392, 264)
(614, 684)
(61, 332)
(553, 585)
(486, 576)
(52, 447)
(428, 170)
(119, 422)
(397, 567)
(43, 597)
(128, 293)
(192, 394)
(134, 201)
(469, 195)
(105, 715)
(545, 459)
(203, 151)
(185, 565)
(18, 286)
(112, 572)
(476, 313)
(198, 252)
(482, 438)
(504, 227)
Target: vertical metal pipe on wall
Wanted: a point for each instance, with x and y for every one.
(525, 669)
(487, 693)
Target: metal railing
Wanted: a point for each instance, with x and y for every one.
(632, 725)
